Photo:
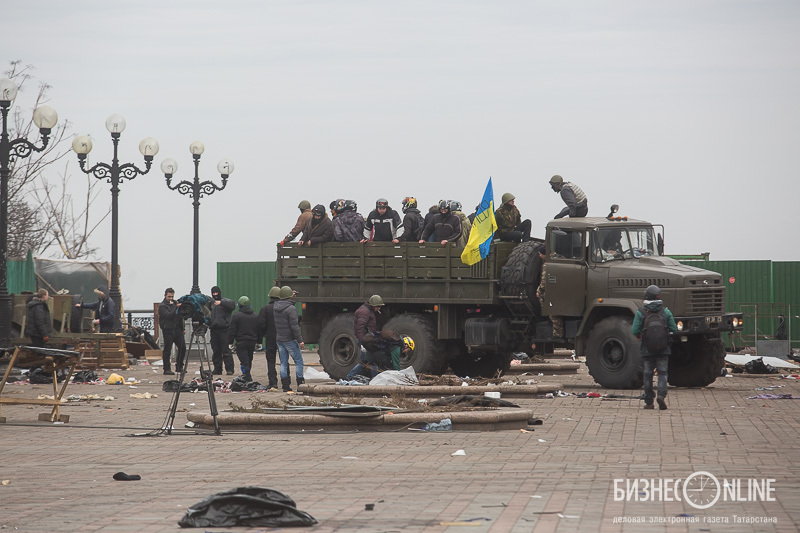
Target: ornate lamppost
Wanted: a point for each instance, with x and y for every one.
(45, 118)
(114, 174)
(196, 189)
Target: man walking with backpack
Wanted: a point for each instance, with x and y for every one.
(652, 325)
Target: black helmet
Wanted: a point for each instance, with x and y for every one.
(382, 202)
(455, 205)
(408, 203)
(652, 293)
(349, 205)
(444, 204)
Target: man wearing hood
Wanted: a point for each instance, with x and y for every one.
(245, 330)
(319, 229)
(445, 226)
(220, 320)
(305, 216)
(289, 338)
(652, 325)
(38, 324)
(105, 310)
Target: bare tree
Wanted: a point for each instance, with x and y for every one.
(43, 215)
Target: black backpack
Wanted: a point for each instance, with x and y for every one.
(655, 334)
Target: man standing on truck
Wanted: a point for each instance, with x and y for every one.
(510, 226)
(413, 223)
(383, 223)
(558, 322)
(319, 229)
(305, 216)
(445, 225)
(573, 196)
(652, 325)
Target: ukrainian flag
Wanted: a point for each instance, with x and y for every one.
(483, 228)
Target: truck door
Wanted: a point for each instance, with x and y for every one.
(565, 291)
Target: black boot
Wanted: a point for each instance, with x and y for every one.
(287, 384)
(300, 381)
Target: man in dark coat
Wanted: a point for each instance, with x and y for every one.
(445, 225)
(219, 321)
(319, 229)
(348, 226)
(105, 310)
(245, 330)
(383, 223)
(38, 324)
(289, 337)
(413, 224)
(267, 316)
(510, 226)
(172, 329)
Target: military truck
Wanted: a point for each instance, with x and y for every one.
(473, 318)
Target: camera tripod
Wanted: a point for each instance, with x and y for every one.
(198, 339)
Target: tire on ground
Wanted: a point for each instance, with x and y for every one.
(338, 347)
(428, 356)
(612, 354)
(696, 363)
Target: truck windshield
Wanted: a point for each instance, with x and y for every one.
(623, 243)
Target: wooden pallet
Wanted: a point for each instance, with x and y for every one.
(103, 353)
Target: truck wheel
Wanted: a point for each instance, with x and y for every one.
(612, 354)
(696, 363)
(338, 346)
(428, 356)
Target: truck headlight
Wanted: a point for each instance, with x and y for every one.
(680, 325)
(736, 322)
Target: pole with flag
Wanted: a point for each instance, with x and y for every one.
(483, 228)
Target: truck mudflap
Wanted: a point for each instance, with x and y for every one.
(724, 323)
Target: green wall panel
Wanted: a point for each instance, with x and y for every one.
(247, 279)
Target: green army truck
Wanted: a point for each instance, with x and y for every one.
(473, 318)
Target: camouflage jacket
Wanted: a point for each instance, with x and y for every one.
(507, 217)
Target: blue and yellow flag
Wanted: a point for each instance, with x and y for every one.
(483, 228)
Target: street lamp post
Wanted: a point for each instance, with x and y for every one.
(196, 189)
(114, 174)
(45, 118)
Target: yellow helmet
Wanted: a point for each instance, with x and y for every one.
(408, 342)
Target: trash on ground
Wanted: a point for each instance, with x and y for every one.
(458, 452)
(444, 425)
(472, 401)
(740, 360)
(773, 397)
(122, 476)
(246, 507)
(407, 376)
(144, 395)
(312, 373)
(115, 379)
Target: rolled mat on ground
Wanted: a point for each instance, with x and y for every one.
(249, 507)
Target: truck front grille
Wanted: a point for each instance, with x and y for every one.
(708, 301)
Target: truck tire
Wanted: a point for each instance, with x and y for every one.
(338, 347)
(696, 363)
(612, 354)
(428, 356)
(518, 276)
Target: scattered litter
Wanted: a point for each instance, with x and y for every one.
(144, 395)
(464, 384)
(350, 382)
(407, 376)
(189, 424)
(369, 506)
(542, 440)
(562, 394)
(313, 373)
(463, 523)
(248, 507)
(115, 379)
(132, 380)
(567, 516)
(742, 360)
(5, 482)
(122, 476)
(49, 397)
(770, 388)
(444, 425)
(458, 452)
(349, 457)
(536, 496)
(773, 397)
(525, 431)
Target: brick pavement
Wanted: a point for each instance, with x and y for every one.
(60, 475)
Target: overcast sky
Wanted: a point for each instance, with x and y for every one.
(684, 113)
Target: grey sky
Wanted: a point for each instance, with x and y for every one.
(684, 113)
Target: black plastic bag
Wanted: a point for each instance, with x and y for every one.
(85, 376)
(247, 507)
(240, 384)
(473, 401)
(171, 385)
(757, 366)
